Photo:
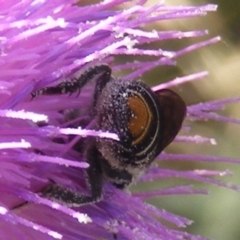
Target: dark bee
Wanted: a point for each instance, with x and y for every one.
(145, 121)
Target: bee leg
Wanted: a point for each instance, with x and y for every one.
(73, 85)
(72, 198)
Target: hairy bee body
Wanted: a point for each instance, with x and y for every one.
(145, 121)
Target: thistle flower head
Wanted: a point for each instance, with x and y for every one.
(46, 42)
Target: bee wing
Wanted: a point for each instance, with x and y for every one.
(100, 74)
(172, 113)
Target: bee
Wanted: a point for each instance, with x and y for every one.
(145, 121)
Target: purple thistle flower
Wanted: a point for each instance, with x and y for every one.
(46, 42)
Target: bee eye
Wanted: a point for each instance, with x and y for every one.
(140, 118)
